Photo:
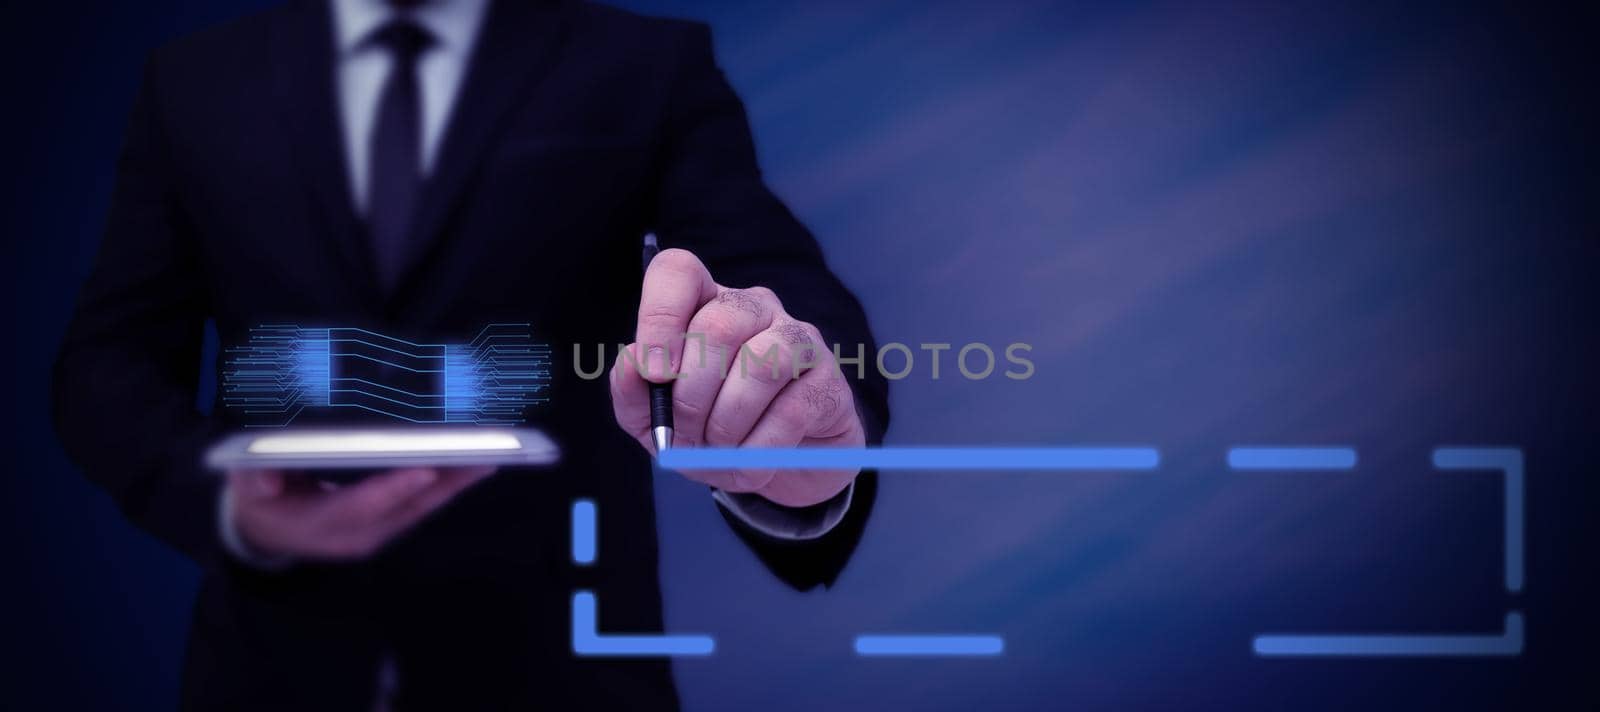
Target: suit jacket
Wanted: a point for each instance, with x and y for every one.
(577, 129)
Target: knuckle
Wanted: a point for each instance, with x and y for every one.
(748, 301)
(764, 295)
(813, 332)
(791, 332)
(676, 258)
(822, 398)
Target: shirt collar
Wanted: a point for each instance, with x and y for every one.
(454, 23)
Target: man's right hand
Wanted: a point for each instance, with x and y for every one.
(278, 514)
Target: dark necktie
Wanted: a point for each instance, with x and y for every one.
(394, 162)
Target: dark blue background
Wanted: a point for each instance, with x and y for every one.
(1217, 224)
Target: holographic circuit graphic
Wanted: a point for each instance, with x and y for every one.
(284, 369)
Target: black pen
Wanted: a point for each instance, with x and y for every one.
(660, 393)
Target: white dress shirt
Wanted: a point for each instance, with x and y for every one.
(363, 67)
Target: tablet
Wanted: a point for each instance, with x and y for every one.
(381, 448)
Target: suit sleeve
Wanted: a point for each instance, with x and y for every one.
(713, 202)
(128, 369)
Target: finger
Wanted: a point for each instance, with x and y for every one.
(816, 411)
(371, 499)
(817, 406)
(765, 364)
(714, 336)
(804, 488)
(804, 408)
(630, 404)
(721, 479)
(630, 398)
(256, 483)
(676, 285)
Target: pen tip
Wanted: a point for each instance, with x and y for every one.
(662, 435)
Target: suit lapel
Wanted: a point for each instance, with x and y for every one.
(304, 95)
(518, 43)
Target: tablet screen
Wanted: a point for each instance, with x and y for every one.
(380, 442)
(366, 447)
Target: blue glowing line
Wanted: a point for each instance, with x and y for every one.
(406, 354)
(583, 532)
(274, 425)
(1507, 643)
(382, 412)
(587, 642)
(1292, 458)
(930, 645)
(283, 371)
(388, 363)
(386, 336)
(1510, 464)
(370, 394)
(916, 458)
(484, 335)
(387, 388)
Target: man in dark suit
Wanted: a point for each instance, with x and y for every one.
(422, 169)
